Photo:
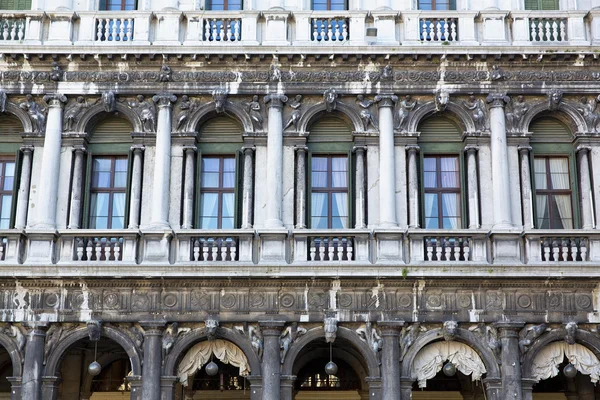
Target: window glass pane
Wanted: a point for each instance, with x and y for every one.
(99, 223)
(319, 205)
(339, 179)
(9, 174)
(99, 205)
(562, 217)
(319, 179)
(339, 164)
(229, 165)
(429, 179)
(432, 223)
(227, 223)
(559, 173)
(229, 180)
(338, 5)
(209, 205)
(210, 179)
(425, 5)
(208, 223)
(450, 205)
(543, 212)
(451, 223)
(210, 165)
(120, 179)
(431, 205)
(228, 205)
(539, 166)
(5, 207)
(101, 172)
(339, 204)
(319, 164)
(118, 206)
(318, 222)
(429, 164)
(339, 223)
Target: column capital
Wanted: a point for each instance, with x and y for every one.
(271, 328)
(390, 328)
(524, 149)
(582, 148)
(164, 99)
(497, 99)
(26, 148)
(412, 148)
(248, 149)
(137, 148)
(153, 328)
(55, 99)
(386, 100)
(276, 100)
(471, 149)
(190, 149)
(301, 148)
(79, 149)
(359, 149)
(509, 329)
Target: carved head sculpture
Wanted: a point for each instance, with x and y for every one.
(330, 98)
(219, 97)
(449, 330)
(571, 331)
(94, 330)
(554, 99)
(211, 326)
(108, 98)
(442, 98)
(330, 328)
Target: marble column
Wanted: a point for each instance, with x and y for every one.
(162, 162)
(135, 201)
(189, 186)
(406, 384)
(47, 199)
(526, 193)
(585, 185)
(390, 360)
(360, 188)
(248, 189)
(500, 170)
(33, 368)
(387, 163)
(77, 188)
(413, 186)
(151, 368)
(511, 360)
(271, 363)
(274, 183)
(301, 187)
(473, 187)
(24, 184)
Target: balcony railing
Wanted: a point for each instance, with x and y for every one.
(448, 248)
(300, 28)
(215, 249)
(331, 248)
(209, 246)
(564, 249)
(97, 246)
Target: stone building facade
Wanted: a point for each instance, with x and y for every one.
(217, 200)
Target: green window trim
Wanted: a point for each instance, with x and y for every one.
(15, 4)
(546, 5)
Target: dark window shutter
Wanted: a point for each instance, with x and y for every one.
(128, 188)
(308, 207)
(532, 5)
(351, 190)
(197, 191)
(102, 5)
(453, 4)
(549, 5)
(15, 189)
(239, 190)
(23, 5)
(86, 191)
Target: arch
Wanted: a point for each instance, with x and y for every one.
(342, 111)
(55, 358)
(365, 351)
(453, 111)
(566, 113)
(463, 336)
(582, 337)
(105, 360)
(95, 112)
(14, 109)
(208, 111)
(181, 347)
(16, 357)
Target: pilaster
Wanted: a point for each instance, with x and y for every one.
(301, 186)
(189, 153)
(387, 164)
(77, 188)
(248, 187)
(473, 187)
(135, 202)
(274, 184)
(585, 185)
(413, 186)
(24, 184)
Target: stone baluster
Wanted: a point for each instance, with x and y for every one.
(162, 162)
(77, 188)
(274, 183)
(585, 185)
(271, 365)
(135, 201)
(45, 217)
(413, 187)
(526, 193)
(360, 205)
(500, 171)
(23, 196)
(390, 356)
(189, 187)
(248, 189)
(473, 187)
(511, 360)
(387, 164)
(33, 367)
(301, 187)
(151, 368)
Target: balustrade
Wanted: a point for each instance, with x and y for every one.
(548, 29)
(329, 29)
(223, 29)
(99, 249)
(114, 29)
(447, 248)
(564, 249)
(12, 29)
(439, 29)
(214, 249)
(331, 249)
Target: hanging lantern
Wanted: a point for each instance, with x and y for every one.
(211, 368)
(449, 369)
(95, 368)
(570, 371)
(331, 368)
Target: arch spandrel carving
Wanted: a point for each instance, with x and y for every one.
(182, 346)
(60, 350)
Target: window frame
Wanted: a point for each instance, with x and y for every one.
(209, 6)
(312, 6)
(219, 190)
(440, 190)
(4, 158)
(330, 190)
(540, 6)
(547, 151)
(111, 190)
(451, 6)
(103, 6)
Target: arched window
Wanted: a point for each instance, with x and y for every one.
(442, 180)
(108, 175)
(330, 175)
(218, 196)
(554, 175)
